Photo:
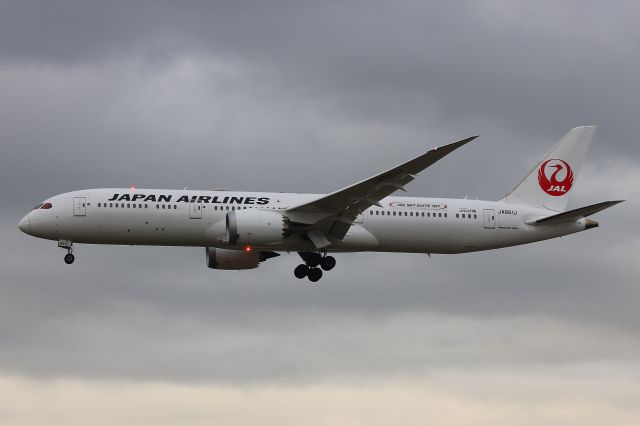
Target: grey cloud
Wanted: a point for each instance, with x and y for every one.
(509, 66)
(307, 97)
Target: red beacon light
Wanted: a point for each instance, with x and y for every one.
(133, 188)
(247, 248)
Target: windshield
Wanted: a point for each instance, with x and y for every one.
(42, 206)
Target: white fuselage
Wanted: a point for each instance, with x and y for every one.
(197, 218)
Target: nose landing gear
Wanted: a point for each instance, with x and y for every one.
(310, 268)
(68, 245)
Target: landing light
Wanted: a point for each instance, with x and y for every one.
(247, 248)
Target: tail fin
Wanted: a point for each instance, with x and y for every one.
(549, 183)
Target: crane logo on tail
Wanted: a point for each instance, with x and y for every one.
(555, 177)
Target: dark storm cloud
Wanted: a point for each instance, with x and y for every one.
(309, 97)
(513, 65)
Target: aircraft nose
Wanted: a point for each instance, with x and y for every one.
(25, 224)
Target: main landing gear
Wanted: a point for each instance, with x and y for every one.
(68, 245)
(310, 268)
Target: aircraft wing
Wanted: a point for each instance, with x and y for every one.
(333, 214)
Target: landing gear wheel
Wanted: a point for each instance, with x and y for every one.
(314, 274)
(328, 263)
(314, 260)
(301, 271)
(69, 258)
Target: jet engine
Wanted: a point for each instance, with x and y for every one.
(218, 258)
(231, 259)
(247, 227)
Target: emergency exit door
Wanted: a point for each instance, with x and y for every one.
(79, 206)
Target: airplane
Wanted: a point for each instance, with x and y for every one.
(239, 230)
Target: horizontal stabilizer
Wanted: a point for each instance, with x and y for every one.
(576, 214)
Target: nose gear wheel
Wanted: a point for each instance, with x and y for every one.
(69, 258)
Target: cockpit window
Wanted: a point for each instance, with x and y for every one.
(37, 207)
(46, 206)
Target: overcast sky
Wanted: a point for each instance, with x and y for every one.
(309, 97)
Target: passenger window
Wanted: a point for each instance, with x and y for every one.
(122, 205)
(157, 206)
(99, 205)
(128, 205)
(163, 207)
(445, 215)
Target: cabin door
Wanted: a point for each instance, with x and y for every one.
(489, 218)
(195, 210)
(79, 206)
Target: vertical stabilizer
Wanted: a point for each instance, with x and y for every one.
(551, 181)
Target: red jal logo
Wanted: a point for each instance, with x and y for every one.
(555, 177)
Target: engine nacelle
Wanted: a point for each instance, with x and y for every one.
(231, 259)
(246, 227)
